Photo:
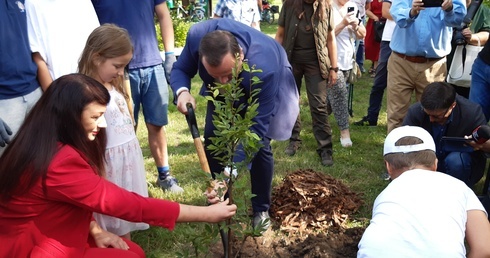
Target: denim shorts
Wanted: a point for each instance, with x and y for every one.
(149, 89)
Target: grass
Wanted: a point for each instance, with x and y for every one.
(359, 167)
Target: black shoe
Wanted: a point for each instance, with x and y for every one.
(365, 122)
(292, 148)
(261, 220)
(326, 157)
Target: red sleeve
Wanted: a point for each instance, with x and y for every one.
(71, 179)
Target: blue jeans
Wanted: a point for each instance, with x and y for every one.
(149, 89)
(360, 54)
(456, 164)
(480, 85)
(380, 82)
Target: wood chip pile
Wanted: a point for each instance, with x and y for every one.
(312, 200)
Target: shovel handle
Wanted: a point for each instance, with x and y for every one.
(191, 121)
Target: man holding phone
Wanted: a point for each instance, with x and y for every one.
(444, 114)
(420, 42)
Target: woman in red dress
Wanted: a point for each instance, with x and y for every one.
(51, 181)
(373, 11)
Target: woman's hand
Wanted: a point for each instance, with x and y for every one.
(221, 211)
(332, 78)
(350, 19)
(105, 239)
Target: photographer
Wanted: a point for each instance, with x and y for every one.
(476, 34)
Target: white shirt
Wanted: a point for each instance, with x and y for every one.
(345, 39)
(58, 30)
(420, 214)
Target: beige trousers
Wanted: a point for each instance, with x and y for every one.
(404, 78)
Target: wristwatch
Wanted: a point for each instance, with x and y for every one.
(336, 69)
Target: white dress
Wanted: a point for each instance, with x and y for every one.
(124, 161)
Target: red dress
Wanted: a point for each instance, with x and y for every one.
(55, 223)
(372, 47)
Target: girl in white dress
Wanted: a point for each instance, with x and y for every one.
(106, 54)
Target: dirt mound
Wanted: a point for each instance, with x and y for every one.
(312, 200)
(310, 209)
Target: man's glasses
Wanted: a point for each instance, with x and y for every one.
(440, 115)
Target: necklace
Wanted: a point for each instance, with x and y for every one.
(307, 19)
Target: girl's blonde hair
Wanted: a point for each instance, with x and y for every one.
(106, 41)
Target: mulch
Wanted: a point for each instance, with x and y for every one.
(309, 200)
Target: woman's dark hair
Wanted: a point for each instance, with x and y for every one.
(217, 44)
(54, 120)
(438, 95)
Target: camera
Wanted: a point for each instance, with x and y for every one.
(458, 37)
(350, 9)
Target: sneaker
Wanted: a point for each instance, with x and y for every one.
(170, 184)
(327, 159)
(261, 220)
(365, 122)
(346, 142)
(292, 148)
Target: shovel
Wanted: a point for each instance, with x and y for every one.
(191, 121)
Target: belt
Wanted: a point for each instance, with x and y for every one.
(417, 59)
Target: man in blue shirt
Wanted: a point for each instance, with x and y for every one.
(420, 42)
(444, 113)
(19, 88)
(210, 50)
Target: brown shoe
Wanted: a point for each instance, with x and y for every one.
(292, 148)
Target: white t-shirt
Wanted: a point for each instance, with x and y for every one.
(419, 214)
(58, 30)
(388, 30)
(345, 39)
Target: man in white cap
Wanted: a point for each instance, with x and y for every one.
(422, 212)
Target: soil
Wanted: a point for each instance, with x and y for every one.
(308, 214)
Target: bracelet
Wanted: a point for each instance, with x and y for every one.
(168, 53)
(335, 69)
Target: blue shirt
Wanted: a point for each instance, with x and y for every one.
(429, 33)
(18, 72)
(136, 16)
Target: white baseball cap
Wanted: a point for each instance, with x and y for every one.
(403, 131)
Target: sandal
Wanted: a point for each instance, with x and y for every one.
(372, 70)
(372, 75)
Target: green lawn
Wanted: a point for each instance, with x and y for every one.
(359, 167)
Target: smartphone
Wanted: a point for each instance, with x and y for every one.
(350, 9)
(432, 3)
(456, 144)
(455, 139)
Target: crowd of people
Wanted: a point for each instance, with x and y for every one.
(71, 95)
